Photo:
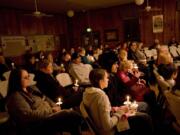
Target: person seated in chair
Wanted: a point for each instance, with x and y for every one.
(99, 108)
(49, 86)
(78, 70)
(47, 83)
(32, 111)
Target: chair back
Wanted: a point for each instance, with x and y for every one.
(64, 79)
(31, 78)
(7, 74)
(173, 105)
(4, 88)
(173, 51)
(163, 86)
(88, 119)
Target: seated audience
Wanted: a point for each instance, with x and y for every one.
(33, 112)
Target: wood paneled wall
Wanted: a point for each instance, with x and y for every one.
(103, 19)
(112, 18)
(13, 22)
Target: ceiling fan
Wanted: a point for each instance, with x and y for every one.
(148, 8)
(37, 13)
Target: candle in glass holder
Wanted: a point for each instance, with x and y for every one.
(134, 106)
(59, 101)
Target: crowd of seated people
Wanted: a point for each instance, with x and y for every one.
(119, 63)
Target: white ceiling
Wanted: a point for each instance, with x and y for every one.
(59, 6)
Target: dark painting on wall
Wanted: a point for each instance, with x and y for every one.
(111, 35)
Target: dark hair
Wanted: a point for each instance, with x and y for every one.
(14, 83)
(167, 70)
(75, 55)
(107, 59)
(95, 76)
(44, 63)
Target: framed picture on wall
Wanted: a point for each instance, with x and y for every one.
(157, 23)
(111, 35)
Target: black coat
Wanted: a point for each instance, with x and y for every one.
(115, 90)
(49, 86)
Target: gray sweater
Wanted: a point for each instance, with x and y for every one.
(99, 107)
(26, 108)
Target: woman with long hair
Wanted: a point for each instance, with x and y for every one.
(33, 111)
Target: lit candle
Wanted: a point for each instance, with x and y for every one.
(76, 83)
(135, 104)
(62, 65)
(37, 60)
(135, 66)
(59, 101)
(127, 102)
(12, 64)
(127, 98)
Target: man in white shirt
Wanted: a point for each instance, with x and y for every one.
(79, 70)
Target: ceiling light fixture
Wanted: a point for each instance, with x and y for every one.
(70, 13)
(139, 2)
(89, 29)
